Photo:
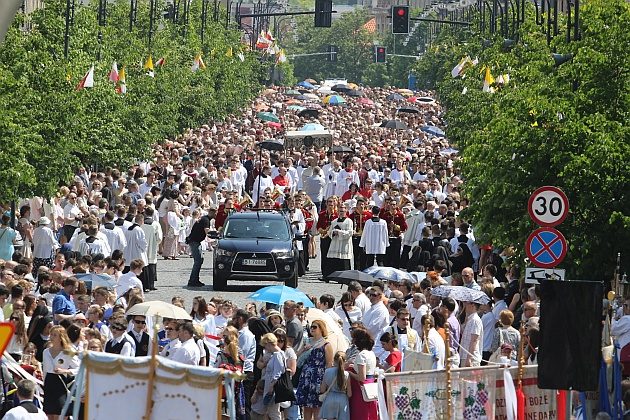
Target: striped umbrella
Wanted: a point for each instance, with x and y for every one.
(334, 100)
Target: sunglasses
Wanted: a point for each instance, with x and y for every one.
(374, 295)
(169, 329)
(118, 329)
(137, 321)
(313, 327)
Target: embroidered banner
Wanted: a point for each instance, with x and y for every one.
(539, 403)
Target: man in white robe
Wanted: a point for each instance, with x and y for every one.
(375, 239)
(136, 248)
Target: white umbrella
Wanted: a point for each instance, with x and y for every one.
(158, 308)
(335, 333)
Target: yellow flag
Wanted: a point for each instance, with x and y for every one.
(149, 64)
(488, 81)
(229, 52)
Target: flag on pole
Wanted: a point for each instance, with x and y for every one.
(113, 74)
(149, 66)
(281, 57)
(241, 56)
(198, 63)
(262, 42)
(462, 67)
(88, 80)
(122, 85)
(160, 62)
(269, 36)
(229, 52)
(488, 81)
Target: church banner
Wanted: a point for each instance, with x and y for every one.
(539, 403)
(115, 385)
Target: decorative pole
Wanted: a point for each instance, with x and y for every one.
(152, 6)
(152, 371)
(133, 11)
(449, 387)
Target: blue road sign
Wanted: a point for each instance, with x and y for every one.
(546, 247)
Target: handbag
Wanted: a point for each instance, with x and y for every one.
(283, 389)
(494, 357)
(369, 391)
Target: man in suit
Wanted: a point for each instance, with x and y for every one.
(139, 335)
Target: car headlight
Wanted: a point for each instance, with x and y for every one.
(224, 253)
(283, 254)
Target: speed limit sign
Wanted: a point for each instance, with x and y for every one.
(548, 206)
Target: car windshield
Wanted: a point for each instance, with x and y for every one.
(257, 229)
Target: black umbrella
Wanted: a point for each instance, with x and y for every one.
(312, 113)
(395, 97)
(355, 92)
(341, 88)
(346, 276)
(272, 144)
(341, 149)
(395, 124)
(408, 109)
(303, 90)
(302, 98)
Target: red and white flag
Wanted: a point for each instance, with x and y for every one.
(88, 80)
(122, 82)
(113, 74)
(160, 62)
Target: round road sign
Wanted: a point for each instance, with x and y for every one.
(548, 206)
(546, 247)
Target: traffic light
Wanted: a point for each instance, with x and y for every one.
(400, 19)
(381, 54)
(323, 13)
(332, 50)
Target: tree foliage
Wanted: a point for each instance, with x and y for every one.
(564, 126)
(47, 128)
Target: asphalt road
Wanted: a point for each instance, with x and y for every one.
(173, 277)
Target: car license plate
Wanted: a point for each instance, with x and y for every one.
(259, 263)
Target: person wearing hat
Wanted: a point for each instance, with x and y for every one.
(44, 245)
(274, 319)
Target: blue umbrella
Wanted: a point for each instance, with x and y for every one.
(433, 130)
(280, 294)
(312, 127)
(389, 273)
(306, 85)
(97, 280)
(296, 108)
(461, 293)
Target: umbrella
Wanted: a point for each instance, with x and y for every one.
(311, 81)
(312, 127)
(292, 102)
(325, 90)
(312, 113)
(267, 116)
(405, 92)
(292, 92)
(395, 97)
(395, 124)
(280, 294)
(423, 100)
(301, 98)
(388, 273)
(346, 276)
(303, 91)
(335, 333)
(408, 109)
(433, 130)
(306, 85)
(311, 97)
(448, 151)
(334, 100)
(341, 149)
(158, 308)
(97, 280)
(461, 293)
(296, 108)
(274, 125)
(272, 144)
(341, 87)
(355, 93)
(353, 85)
(366, 101)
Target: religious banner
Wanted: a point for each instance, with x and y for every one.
(539, 403)
(114, 383)
(423, 395)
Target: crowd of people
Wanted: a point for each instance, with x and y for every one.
(393, 198)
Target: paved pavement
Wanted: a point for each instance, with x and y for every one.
(173, 277)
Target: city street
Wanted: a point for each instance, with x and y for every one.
(173, 276)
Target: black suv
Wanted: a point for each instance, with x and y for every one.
(257, 245)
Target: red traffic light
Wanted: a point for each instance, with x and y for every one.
(381, 50)
(401, 12)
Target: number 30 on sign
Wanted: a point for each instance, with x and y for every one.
(548, 206)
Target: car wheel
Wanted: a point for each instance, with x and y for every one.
(293, 281)
(219, 282)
